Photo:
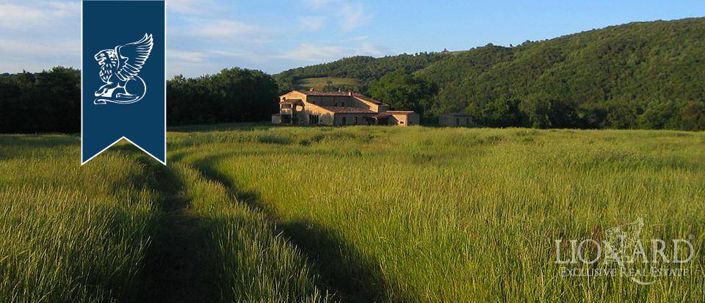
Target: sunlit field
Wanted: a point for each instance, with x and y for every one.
(355, 214)
(71, 233)
(423, 214)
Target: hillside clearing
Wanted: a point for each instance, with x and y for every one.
(321, 83)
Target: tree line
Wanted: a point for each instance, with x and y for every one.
(403, 90)
(49, 101)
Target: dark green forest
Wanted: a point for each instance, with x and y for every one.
(43, 102)
(49, 101)
(233, 95)
(639, 75)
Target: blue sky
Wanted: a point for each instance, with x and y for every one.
(208, 35)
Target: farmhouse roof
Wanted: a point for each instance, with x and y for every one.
(332, 94)
(368, 99)
(347, 110)
(339, 94)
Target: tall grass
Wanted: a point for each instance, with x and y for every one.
(469, 214)
(251, 260)
(368, 213)
(83, 234)
(70, 233)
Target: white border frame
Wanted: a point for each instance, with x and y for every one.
(166, 39)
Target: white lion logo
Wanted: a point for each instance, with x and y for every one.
(120, 68)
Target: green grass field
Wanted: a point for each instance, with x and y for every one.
(357, 214)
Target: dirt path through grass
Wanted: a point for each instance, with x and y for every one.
(176, 269)
(343, 269)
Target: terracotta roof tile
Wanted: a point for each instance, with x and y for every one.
(340, 94)
(366, 98)
(348, 110)
(331, 94)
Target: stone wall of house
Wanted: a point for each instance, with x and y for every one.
(404, 119)
(351, 119)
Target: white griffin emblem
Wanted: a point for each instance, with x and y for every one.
(120, 68)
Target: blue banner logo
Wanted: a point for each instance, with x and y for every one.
(123, 76)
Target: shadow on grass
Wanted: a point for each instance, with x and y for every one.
(177, 266)
(342, 268)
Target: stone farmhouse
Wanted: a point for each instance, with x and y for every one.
(338, 108)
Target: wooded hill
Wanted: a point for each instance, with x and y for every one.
(646, 75)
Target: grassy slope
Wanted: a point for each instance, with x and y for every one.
(423, 214)
(320, 84)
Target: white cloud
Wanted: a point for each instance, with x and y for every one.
(313, 23)
(247, 55)
(36, 35)
(214, 33)
(18, 55)
(225, 30)
(199, 62)
(317, 4)
(42, 14)
(187, 56)
(322, 53)
(206, 36)
(359, 38)
(185, 6)
(189, 63)
(199, 46)
(194, 7)
(39, 47)
(352, 16)
(17, 16)
(310, 52)
(368, 49)
(63, 9)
